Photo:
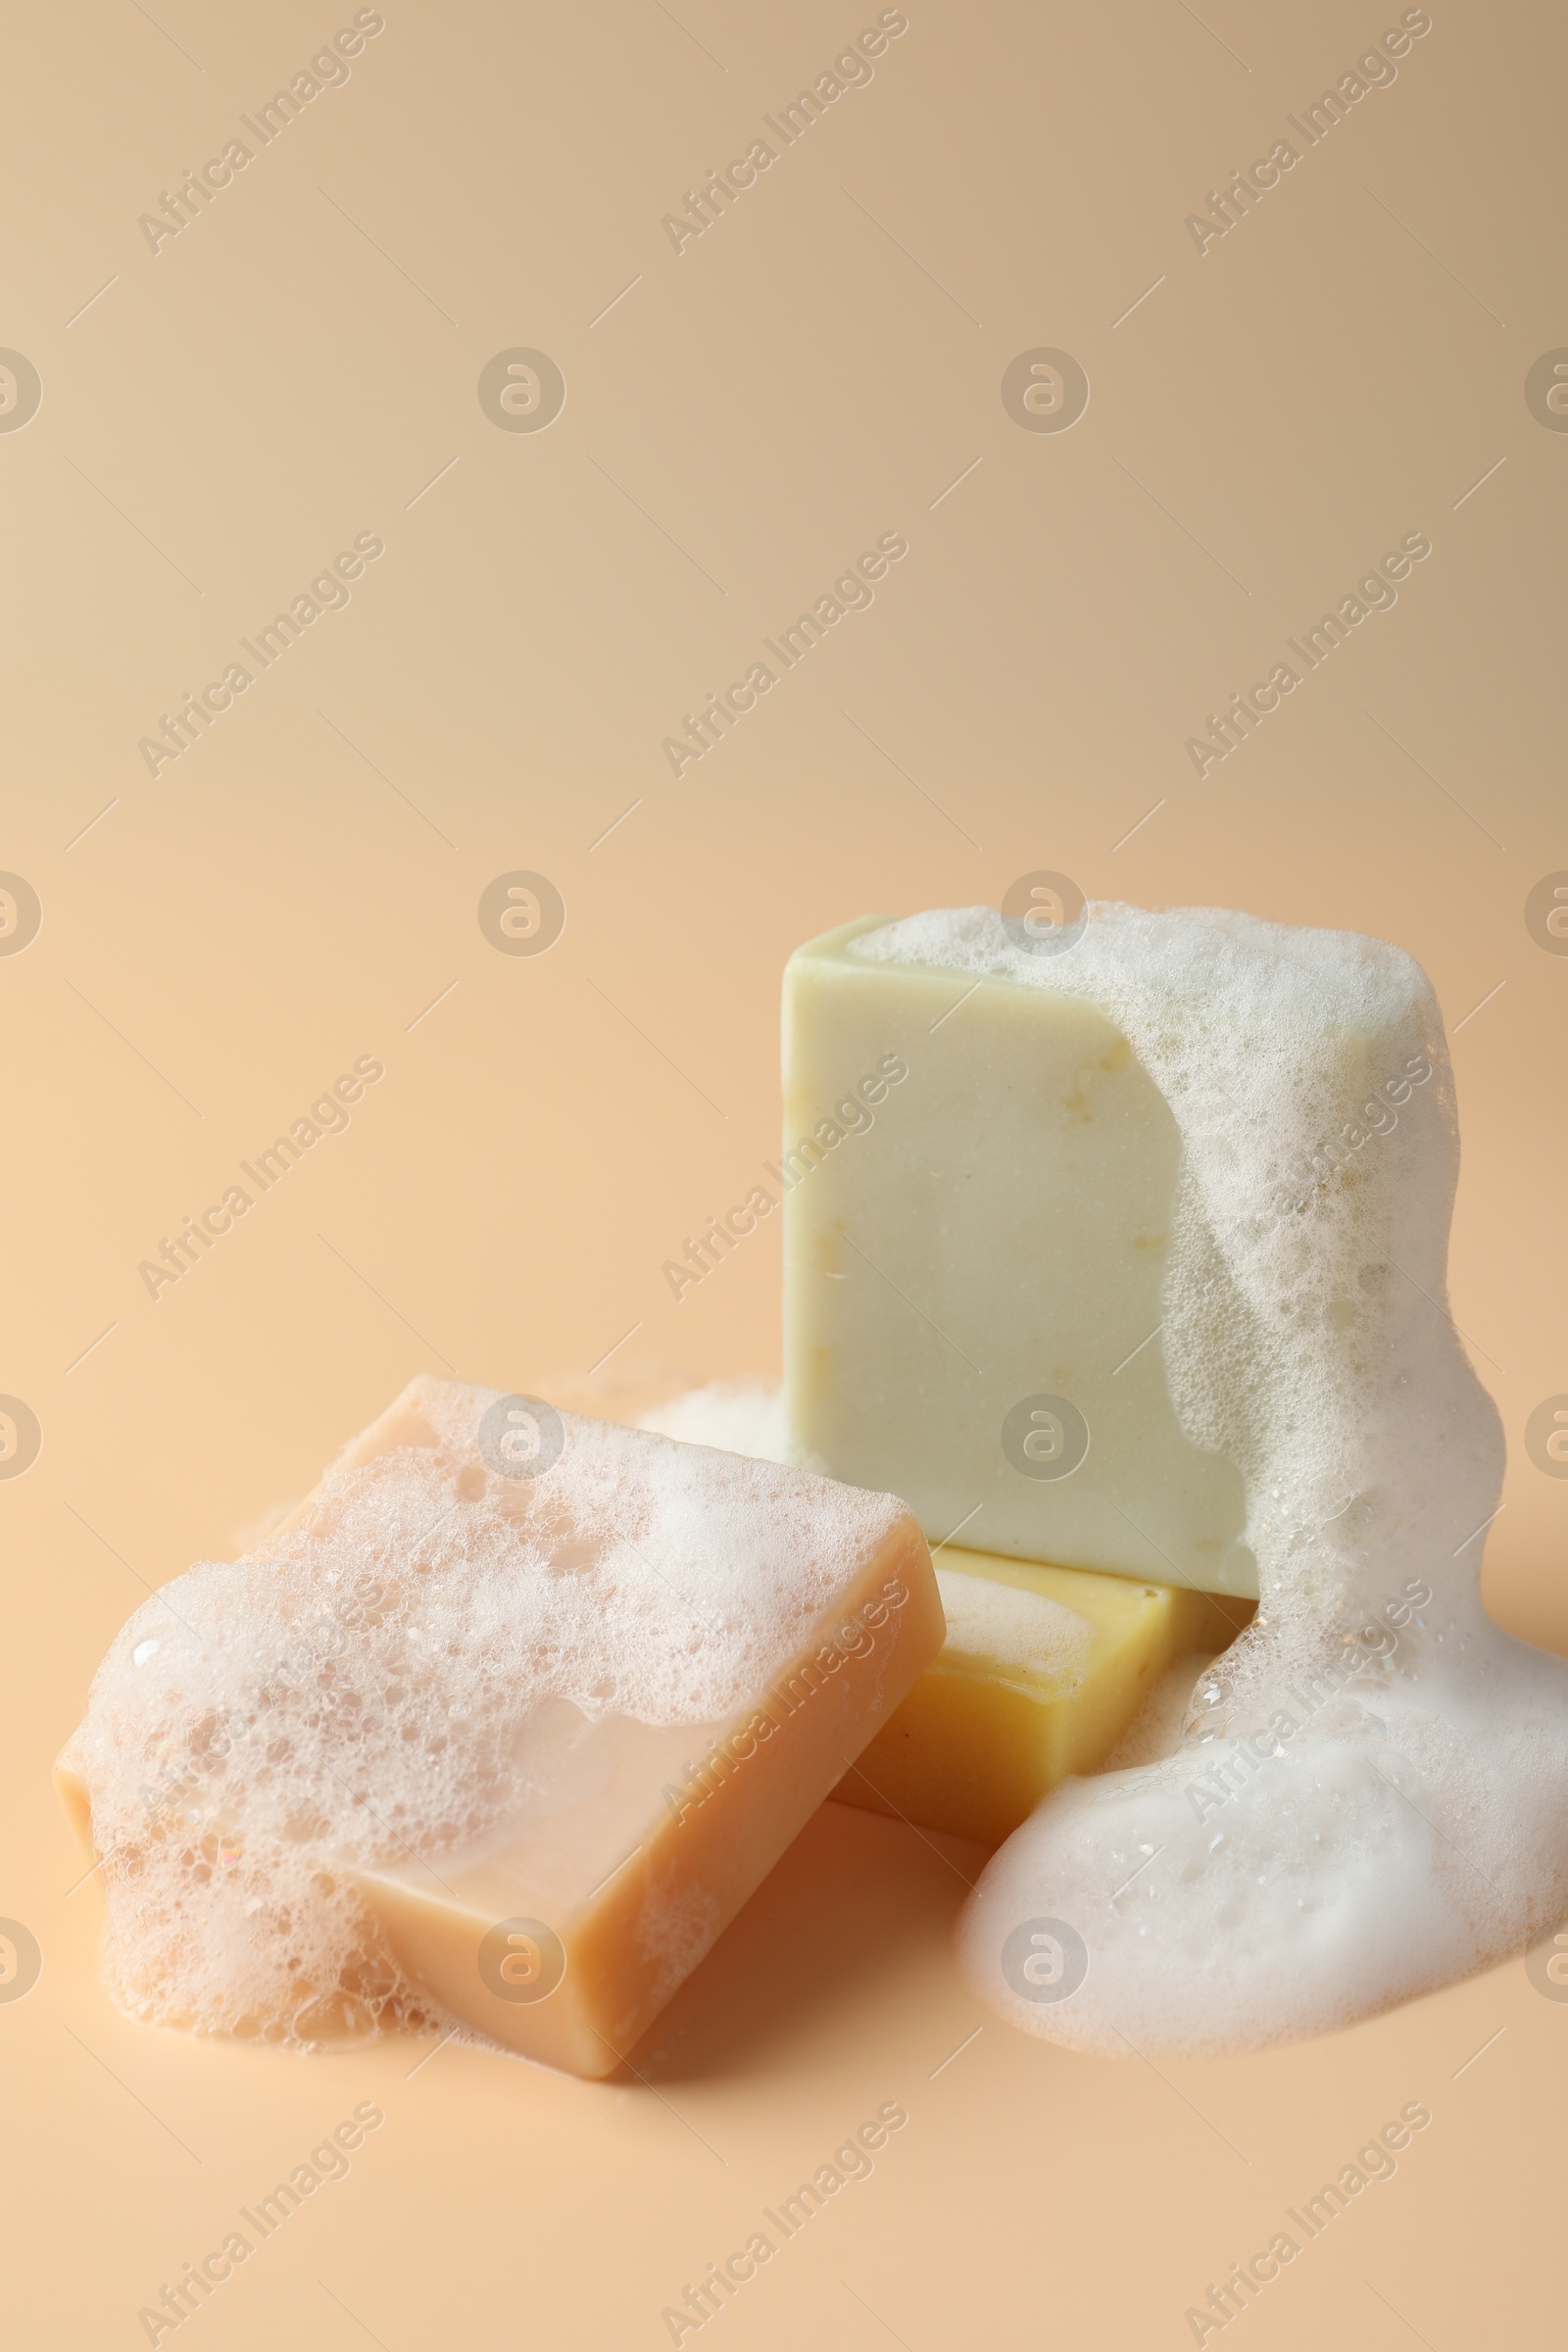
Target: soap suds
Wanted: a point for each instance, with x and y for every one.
(1014, 1626)
(740, 1416)
(362, 1691)
(1370, 1794)
(1156, 1729)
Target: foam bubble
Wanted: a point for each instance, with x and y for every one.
(1156, 1729)
(739, 1416)
(1369, 1795)
(374, 1684)
(1014, 1626)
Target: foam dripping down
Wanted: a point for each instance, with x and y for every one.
(1369, 1795)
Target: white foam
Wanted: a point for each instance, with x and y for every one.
(362, 1690)
(739, 1416)
(1156, 1729)
(1013, 1626)
(1401, 1766)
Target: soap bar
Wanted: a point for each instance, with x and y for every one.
(502, 1731)
(981, 1183)
(1042, 1670)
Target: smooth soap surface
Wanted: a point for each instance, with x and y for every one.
(992, 1228)
(1042, 1670)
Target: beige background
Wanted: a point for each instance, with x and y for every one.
(296, 368)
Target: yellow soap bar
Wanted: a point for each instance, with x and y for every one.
(694, 1644)
(1042, 1670)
